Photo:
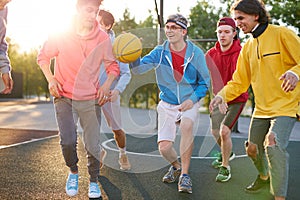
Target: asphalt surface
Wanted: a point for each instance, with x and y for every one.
(32, 166)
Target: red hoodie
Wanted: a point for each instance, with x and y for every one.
(222, 65)
(78, 60)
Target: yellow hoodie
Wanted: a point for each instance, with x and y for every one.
(261, 63)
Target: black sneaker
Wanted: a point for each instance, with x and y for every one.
(257, 185)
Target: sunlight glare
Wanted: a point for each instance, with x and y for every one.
(31, 21)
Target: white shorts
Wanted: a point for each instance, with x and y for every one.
(112, 114)
(167, 116)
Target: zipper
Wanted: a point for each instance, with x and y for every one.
(257, 49)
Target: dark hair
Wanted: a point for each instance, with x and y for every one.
(252, 7)
(106, 18)
(180, 20)
(83, 2)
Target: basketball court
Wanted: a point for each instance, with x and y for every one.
(32, 166)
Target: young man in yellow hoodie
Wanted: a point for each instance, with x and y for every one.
(270, 62)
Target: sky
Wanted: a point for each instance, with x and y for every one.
(31, 21)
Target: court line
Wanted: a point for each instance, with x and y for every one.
(105, 146)
(26, 142)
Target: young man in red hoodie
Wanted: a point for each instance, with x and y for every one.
(221, 61)
(75, 85)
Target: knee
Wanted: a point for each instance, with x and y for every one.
(225, 132)
(251, 149)
(164, 146)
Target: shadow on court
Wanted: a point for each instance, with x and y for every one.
(37, 171)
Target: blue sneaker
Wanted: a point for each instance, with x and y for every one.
(94, 190)
(185, 184)
(72, 185)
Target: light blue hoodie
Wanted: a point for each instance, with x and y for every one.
(195, 81)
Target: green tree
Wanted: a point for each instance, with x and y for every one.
(34, 83)
(281, 11)
(125, 24)
(286, 11)
(203, 20)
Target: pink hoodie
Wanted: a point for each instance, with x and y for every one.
(78, 60)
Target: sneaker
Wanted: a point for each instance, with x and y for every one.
(172, 175)
(223, 175)
(94, 190)
(102, 157)
(257, 185)
(72, 185)
(185, 184)
(124, 162)
(218, 162)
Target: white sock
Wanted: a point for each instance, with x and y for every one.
(122, 151)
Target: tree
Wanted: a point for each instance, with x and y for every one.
(125, 24)
(281, 11)
(286, 11)
(203, 20)
(34, 83)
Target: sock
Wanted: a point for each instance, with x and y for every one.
(122, 151)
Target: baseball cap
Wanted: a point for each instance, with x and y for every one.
(226, 21)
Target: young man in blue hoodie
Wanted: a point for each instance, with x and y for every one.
(183, 79)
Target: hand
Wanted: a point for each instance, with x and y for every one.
(223, 107)
(214, 103)
(114, 94)
(103, 95)
(54, 87)
(290, 81)
(186, 105)
(8, 83)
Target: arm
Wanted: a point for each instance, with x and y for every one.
(148, 62)
(53, 85)
(291, 77)
(47, 52)
(125, 77)
(203, 79)
(112, 70)
(5, 66)
(123, 81)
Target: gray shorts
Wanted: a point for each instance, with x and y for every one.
(229, 119)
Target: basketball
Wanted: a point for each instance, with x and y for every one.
(127, 47)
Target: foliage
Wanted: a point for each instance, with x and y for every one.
(203, 20)
(34, 83)
(281, 11)
(286, 11)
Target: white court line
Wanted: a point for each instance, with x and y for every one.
(26, 142)
(105, 146)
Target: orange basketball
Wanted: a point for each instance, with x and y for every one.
(127, 47)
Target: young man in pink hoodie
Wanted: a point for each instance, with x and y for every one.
(75, 86)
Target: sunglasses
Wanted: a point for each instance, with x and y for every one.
(172, 27)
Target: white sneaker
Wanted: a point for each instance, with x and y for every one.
(94, 190)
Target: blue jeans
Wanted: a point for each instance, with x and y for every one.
(272, 160)
(89, 113)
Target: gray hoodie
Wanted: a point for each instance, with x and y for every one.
(4, 60)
